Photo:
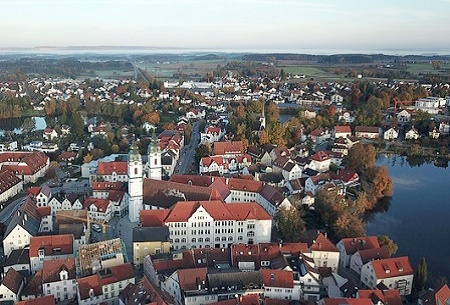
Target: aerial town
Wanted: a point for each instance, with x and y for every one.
(229, 190)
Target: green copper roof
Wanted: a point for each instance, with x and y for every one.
(134, 154)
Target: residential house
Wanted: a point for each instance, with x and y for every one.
(19, 260)
(46, 300)
(367, 132)
(336, 99)
(390, 134)
(116, 171)
(49, 134)
(279, 284)
(403, 116)
(11, 286)
(412, 134)
(394, 273)
(444, 128)
(346, 117)
(149, 241)
(343, 131)
(10, 185)
(363, 256)
(434, 134)
(349, 246)
(27, 222)
(65, 130)
(50, 247)
(381, 297)
(430, 104)
(57, 278)
(105, 286)
(319, 135)
(100, 210)
(320, 162)
(440, 296)
(144, 292)
(228, 150)
(323, 252)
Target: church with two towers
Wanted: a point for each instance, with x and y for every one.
(137, 172)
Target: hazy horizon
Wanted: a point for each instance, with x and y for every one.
(231, 24)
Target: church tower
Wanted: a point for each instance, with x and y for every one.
(154, 159)
(135, 183)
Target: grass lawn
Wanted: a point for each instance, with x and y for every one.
(308, 71)
(426, 67)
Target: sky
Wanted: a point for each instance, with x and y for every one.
(228, 24)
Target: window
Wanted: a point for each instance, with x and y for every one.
(135, 171)
(240, 238)
(194, 240)
(250, 233)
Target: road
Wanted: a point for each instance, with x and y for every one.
(188, 152)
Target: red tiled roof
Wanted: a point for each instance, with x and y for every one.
(225, 148)
(388, 297)
(442, 295)
(342, 129)
(153, 218)
(277, 278)
(392, 267)
(189, 279)
(52, 268)
(46, 300)
(372, 254)
(62, 242)
(323, 244)
(101, 204)
(320, 156)
(12, 280)
(44, 211)
(31, 162)
(251, 210)
(7, 180)
(115, 196)
(346, 301)
(367, 129)
(107, 168)
(96, 282)
(352, 245)
(65, 155)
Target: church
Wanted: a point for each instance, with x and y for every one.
(136, 175)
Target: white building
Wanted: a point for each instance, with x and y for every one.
(395, 273)
(10, 185)
(403, 116)
(213, 224)
(412, 134)
(11, 286)
(105, 286)
(59, 279)
(50, 247)
(324, 253)
(28, 221)
(430, 104)
(279, 284)
(390, 134)
(135, 184)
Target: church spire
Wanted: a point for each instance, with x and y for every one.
(153, 147)
(134, 154)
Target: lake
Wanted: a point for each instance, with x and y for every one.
(16, 124)
(418, 218)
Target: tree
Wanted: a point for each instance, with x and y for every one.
(77, 124)
(114, 148)
(422, 274)
(290, 224)
(382, 184)
(50, 107)
(169, 126)
(263, 137)
(361, 157)
(384, 240)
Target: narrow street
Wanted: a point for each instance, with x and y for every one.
(188, 152)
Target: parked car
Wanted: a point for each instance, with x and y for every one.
(96, 228)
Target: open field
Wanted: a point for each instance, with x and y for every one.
(426, 67)
(166, 70)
